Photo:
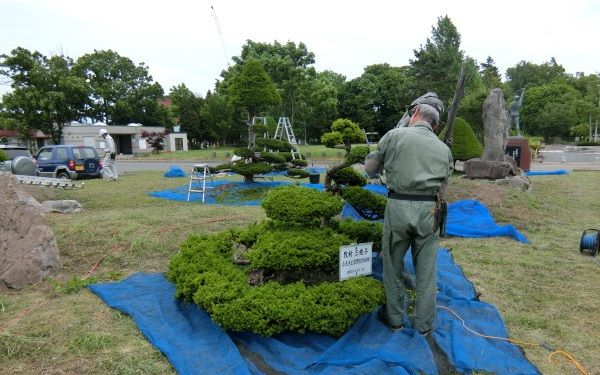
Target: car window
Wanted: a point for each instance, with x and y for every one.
(13, 153)
(84, 153)
(61, 153)
(45, 155)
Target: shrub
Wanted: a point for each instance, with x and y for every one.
(274, 144)
(271, 157)
(297, 173)
(204, 273)
(332, 139)
(301, 205)
(357, 154)
(3, 156)
(220, 167)
(297, 248)
(349, 177)
(368, 204)
(244, 152)
(361, 231)
(251, 169)
(465, 145)
(299, 162)
(259, 130)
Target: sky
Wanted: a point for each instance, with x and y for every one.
(185, 42)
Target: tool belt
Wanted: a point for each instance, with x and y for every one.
(411, 197)
(441, 207)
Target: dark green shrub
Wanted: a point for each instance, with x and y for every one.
(203, 272)
(301, 205)
(299, 162)
(297, 173)
(244, 152)
(349, 177)
(3, 155)
(465, 145)
(368, 204)
(274, 144)
(271, 157)
(287, 155)
(297, 248)
(361, 231)
(220, 167)
(259, 130)
(357, 154)
(251, 169)
(332, 139)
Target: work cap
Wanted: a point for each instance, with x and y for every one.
(430, 99)
(103, 131)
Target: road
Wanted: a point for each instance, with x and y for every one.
(553, 157)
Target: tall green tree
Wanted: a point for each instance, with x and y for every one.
(377, 99)
(46, 93)
(253, 90)
(122, 92)
(490, 75)
(437, 63)
(222, 118)
(525, 75)
(186, 108)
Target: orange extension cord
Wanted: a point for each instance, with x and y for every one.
(568, 356)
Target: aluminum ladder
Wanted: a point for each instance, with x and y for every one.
(200, 172)
(284, 126)
(47, 181)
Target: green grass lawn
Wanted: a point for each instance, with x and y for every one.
(546, 291)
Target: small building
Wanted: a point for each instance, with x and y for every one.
(36, 139)
(128, 138)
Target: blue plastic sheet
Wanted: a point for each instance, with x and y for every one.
(543, 173)
(194, 345)
(175, 172)
(471, 218)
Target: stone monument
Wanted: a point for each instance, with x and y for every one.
(495, 163)
(514, 112)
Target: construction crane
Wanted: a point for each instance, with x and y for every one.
(214, 14)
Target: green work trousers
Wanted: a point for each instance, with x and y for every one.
(410, 224)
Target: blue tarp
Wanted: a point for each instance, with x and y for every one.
(175, 172)
(194, 345)
(542, 173)
(466, 218)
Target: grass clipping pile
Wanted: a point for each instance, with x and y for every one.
(280, 274)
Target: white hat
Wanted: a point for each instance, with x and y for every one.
(102, 131)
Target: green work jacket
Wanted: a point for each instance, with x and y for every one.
(414, 159)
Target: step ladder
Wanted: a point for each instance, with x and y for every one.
(200, 172)
(284, 127)
(47, 181)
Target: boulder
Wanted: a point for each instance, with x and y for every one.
(489, 169)
(28, 250)
(66, 206)
(520, 182)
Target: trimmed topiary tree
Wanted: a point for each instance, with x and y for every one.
(280, 274)
(465, 144)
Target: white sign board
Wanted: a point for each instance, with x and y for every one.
(142, 144)
(356, 260)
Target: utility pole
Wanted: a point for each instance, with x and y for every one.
(214, 14)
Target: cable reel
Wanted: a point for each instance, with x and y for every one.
(589, 242)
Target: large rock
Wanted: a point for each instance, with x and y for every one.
(28, 251)
(66, 206)
(490, 169)
(495, 124)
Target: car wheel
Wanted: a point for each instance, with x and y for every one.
(63, 175)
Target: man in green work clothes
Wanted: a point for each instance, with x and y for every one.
(417, 166)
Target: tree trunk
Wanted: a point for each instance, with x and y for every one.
(458, 94)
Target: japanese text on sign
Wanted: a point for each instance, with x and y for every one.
(355, 260)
